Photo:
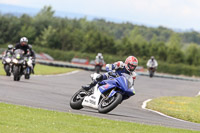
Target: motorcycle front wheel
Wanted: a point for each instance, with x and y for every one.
(7, 69)
(108, 104)
(97, 69)
(27, 76)
(151, 73)
(16, 73)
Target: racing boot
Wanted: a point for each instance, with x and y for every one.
(88, 87)
(98, 79)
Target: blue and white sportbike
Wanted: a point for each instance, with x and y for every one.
(106, 95)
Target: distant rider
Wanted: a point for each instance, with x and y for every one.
(99, 58)
(9, 51)
(117, 68)
(32, 54)
(152, 63)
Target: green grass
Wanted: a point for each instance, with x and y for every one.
(186, 108)
(15, 119)
(44, 70)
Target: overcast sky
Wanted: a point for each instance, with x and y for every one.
(179, 14)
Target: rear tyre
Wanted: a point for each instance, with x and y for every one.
(106, 105)
(77, 99)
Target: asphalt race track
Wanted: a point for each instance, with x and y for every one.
(54, 93)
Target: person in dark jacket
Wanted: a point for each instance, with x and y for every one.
(23, 45)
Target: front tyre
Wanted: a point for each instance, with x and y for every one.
(7, 69)
(16, 73)
(106, 105)
(77, 99)
(97, 69)
(151, 74)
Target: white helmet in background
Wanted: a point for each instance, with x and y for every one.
(23, 39)
(10, 46)
(99, 54)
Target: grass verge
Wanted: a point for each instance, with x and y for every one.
(44, 70)
(186, 108)
(15, 118)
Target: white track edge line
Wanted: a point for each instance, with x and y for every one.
(198, 94)
(148, 100)
(62, 74)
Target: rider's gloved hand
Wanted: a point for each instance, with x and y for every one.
(99, 77)
(112, 74)
(119, 65)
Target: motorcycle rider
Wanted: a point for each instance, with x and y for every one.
(99, 62)
(117, 68)
(22, 45)
(152, 63)
(99, 58)
(9, 50)
(8, 54)
(32, 54)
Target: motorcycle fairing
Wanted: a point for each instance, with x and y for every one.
(92, 100)
(119, 82)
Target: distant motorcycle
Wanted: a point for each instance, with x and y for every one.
(28, 66)
(98, 65)
(106, 95)
(18, 63)
(7, 62)
(21, 65)
(151, 71)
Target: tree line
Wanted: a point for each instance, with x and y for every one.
(122, 39)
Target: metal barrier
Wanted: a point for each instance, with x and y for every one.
(169, 76)
(91, 68)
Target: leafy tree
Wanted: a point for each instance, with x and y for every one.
(174, 52)
(193, 54)
(43, 19)
(29, 32)
(48, 38)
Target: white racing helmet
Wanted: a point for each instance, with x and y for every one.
(24, 39)
(10, 46)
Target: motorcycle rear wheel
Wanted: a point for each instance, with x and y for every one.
(77, 99)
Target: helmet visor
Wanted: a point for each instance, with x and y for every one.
(131, 67)
(23, 43)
